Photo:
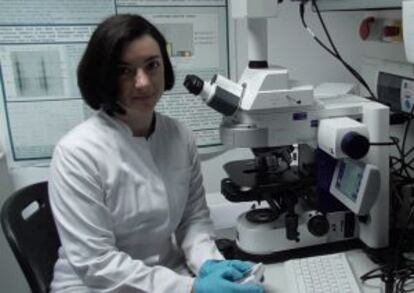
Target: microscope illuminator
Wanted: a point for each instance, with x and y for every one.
(343, 137)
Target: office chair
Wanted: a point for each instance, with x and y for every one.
(29, 228)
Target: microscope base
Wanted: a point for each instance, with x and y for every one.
(264, 239)
(281, 256)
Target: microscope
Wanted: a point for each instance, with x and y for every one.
(318, 160)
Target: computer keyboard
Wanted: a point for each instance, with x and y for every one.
(321, 274)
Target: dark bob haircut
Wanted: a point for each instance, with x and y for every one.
(98, 68)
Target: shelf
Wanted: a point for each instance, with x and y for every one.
(339, 5)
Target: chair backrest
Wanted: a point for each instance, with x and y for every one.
(29, 228)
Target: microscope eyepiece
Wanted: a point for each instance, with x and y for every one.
(193, 84)
(221, 94)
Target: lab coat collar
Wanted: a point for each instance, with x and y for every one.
(122, 126)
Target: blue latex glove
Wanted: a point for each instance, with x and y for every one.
(210, 266)
(223, 280)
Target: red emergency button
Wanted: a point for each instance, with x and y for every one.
(365, 27)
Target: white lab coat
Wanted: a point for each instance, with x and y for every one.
(121, 203)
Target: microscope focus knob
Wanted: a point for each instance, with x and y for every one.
(318, 225)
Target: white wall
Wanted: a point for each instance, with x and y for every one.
(290, 46)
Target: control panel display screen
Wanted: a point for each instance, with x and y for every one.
(349, 179)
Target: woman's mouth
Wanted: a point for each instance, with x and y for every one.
(141, 98)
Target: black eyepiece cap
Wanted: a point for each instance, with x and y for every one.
(193, 84)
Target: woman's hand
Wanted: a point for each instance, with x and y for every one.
(210, 266)
(222, 276)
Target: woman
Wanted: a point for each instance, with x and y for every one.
(125, 187)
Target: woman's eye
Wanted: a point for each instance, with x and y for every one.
(153, 65)
(125, 71)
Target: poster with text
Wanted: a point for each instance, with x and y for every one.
(42, 41)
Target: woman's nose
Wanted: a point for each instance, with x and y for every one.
(141, 78)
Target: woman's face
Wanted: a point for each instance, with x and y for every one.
(141, 75)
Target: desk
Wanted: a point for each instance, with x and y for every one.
(275, 280)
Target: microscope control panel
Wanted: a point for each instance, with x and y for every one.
(356, 185)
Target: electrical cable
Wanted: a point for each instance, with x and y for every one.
(407, 128)
(394, 275)
(349, 67)
(382, 143)
(334, 51)
(406, 166)
(400, 275)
